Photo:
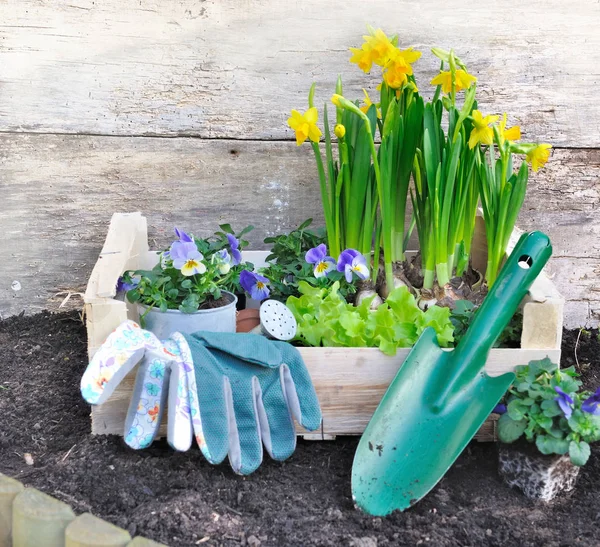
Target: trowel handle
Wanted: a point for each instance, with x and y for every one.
(518, 274)
(524, 264)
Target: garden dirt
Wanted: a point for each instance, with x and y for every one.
(179, 499)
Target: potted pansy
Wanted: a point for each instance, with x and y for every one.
(545, 429)
(194, 284)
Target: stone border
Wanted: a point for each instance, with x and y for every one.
(30, 518)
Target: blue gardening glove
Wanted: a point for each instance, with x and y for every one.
(162, 374)
(247, 391)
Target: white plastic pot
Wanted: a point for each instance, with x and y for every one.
(163, 324)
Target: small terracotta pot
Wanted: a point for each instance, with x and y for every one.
(247, 319)
(538, 476)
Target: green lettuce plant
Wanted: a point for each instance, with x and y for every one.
(326, 319)
(544, 406)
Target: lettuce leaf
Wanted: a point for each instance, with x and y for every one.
(326, 319)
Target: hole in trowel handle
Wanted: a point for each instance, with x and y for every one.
(525, 262)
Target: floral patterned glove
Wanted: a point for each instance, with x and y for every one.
(162, 373)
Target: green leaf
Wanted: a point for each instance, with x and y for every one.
(510, 430)
(305, 224)
(186, 283)
(226, 228)
(550, 408)
(551, 445)
(516, 409)
(133, 295)
(403, 304)
(246, 230)
(579, 452)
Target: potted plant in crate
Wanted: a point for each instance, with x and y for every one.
(193, 286)
(455, 156)
(546, 427)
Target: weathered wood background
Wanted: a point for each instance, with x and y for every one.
(178, 109)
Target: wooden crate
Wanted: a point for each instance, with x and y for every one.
(349, 381)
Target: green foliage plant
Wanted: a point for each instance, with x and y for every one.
(544, 406)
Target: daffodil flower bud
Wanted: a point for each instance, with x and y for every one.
(335, 99)
(339, 131)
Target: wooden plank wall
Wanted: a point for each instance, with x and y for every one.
(178, 109)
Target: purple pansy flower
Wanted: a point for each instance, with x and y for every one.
(187, 258)
(254, 284)
(564, 402)
(352, 261)
(234, 246)
(592, 404)
(124, 286)
(499, 409)
(323, 263)
(183, 237)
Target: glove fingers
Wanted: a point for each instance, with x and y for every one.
(245, 446)
(207, 400)
(277, 427)
(299, 390)
(123, 348)
(147, 402)
(179, 429)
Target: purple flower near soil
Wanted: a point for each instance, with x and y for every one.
(351, 261)
(323, 263)
(124, 286)
(592, 404)
(564, 402)
(499, 409)
(234, 245)
(255, 285)
(187, 258)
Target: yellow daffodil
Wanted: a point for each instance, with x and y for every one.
(510, 134)
(363, 57)
(409, 55)
(339, 131)
(462, 80)
(482, 133)
(305, 125)
(398, 67)
(380, 45)
(539, 155)
(375, 49)
(368, 103)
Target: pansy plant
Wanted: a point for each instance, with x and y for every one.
(544, 405)
(190, 273)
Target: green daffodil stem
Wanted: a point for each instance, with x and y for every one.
(329, 224)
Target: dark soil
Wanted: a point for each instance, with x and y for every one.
(179, 499)
(211, 303)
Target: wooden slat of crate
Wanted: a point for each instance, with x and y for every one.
(349, 381)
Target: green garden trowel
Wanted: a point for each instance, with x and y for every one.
(439, 399)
